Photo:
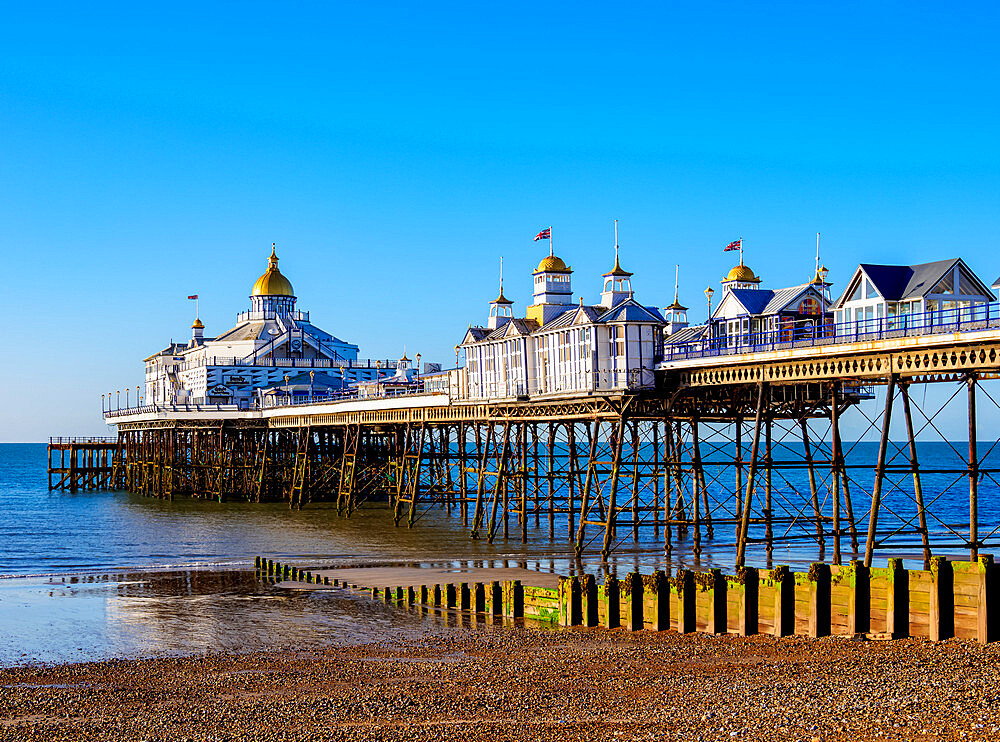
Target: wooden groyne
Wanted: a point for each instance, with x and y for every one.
(951, 599)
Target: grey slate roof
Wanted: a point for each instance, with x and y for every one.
(243, 331)
(631, 311)
(766, 301)
(687, 334)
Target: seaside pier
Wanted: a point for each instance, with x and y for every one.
(607, 424)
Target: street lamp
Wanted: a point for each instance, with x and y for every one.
(823, 273)
(709, 293)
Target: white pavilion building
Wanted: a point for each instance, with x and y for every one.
(560, 346)
(272, 344)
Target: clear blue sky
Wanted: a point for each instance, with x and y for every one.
(395, 151)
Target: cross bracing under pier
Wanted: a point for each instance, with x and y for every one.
(742, 454)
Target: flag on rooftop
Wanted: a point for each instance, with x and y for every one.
(734, 245)
(545, 234)
(193, 296)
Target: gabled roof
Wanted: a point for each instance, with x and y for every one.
(753, 300)
(896, 282)
(518, 326)
(170, 350)
(783, 297)
(475, 334)
(630, 310)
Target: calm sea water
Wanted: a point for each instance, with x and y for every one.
(97, 574)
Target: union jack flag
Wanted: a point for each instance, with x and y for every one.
(545, 234)
(193, 296)
(734, 245)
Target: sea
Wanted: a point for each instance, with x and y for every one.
(97, 575)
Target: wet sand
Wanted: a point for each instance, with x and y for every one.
(512, 683)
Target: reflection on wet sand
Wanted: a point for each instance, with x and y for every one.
(189, 612)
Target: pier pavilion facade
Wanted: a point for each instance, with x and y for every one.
(555, 417)
(895, 297)
(271, 344)
(560, 346)
(748, 315)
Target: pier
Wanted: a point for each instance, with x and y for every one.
(602, 425)
(81, 463)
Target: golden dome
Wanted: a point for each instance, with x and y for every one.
(741, 273)
(272, 283)
(552, 264)
(197, 325)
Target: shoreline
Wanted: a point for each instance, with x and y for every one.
(516, 683)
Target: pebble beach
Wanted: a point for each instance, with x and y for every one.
(516, 683)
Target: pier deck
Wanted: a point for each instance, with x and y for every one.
(741, 449)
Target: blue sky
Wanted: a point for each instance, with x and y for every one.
(394, 151)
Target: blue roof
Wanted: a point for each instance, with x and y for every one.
(754, 300)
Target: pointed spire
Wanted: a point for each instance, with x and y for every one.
(501, 299)
(617, 270)
(677, 305)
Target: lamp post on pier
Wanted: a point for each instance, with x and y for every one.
(709, 293)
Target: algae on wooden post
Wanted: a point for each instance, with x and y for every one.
(630, 601)
(817, 582)
(656, 601)
(741, 592)
(609, 602)
(942, 600)
(784, 600)
(682, 585)
(589, 601)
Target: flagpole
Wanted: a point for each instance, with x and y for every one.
(552, 250)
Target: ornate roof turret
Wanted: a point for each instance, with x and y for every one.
(272, 283)
(553, 264)
(741, 273)
(617, 270)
